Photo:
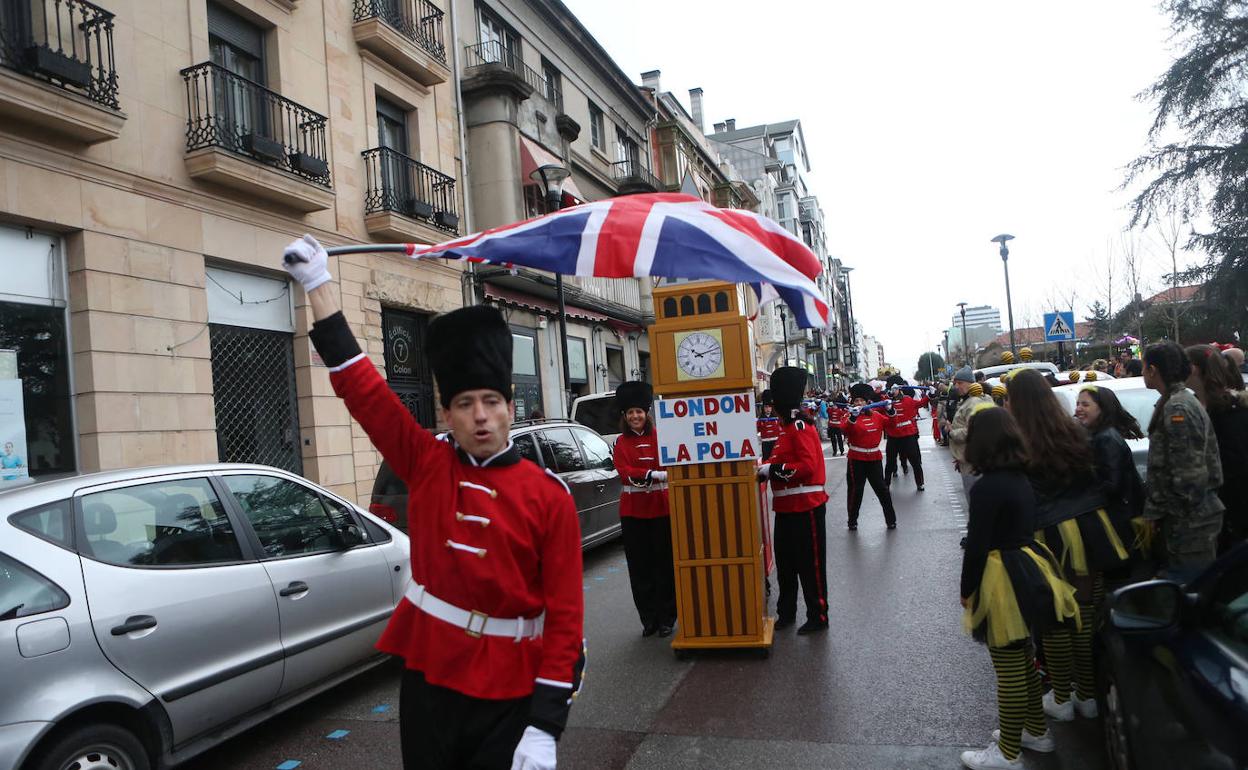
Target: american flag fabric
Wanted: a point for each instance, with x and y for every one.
(668, 235)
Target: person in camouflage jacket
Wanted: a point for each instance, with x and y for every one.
(1184, 469)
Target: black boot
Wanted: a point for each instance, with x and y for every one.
(812, 626)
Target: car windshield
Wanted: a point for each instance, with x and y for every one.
(598, 414)
(1138, 401)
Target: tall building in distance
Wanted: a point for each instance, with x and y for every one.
(981, 315)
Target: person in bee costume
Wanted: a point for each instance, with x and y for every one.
(490, 626)
(644, 519)
(797, 474)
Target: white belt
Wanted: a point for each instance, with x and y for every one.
(904, 424)
(864, 450)
(809, 488)
(630, 489)
(475, 624)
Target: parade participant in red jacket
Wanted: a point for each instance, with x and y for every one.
(644, 520)
(769, 425)
(797, 473)
(863, 431)
(490, 626)
(903, 437)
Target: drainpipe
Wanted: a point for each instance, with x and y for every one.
(469, 280)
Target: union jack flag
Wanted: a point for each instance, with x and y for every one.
(667, 235)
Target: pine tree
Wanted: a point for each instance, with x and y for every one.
(930, 364)
(1202, 103)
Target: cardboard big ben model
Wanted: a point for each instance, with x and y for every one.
(704, 413)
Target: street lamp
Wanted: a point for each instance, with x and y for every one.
(1009, 304)
(784, 335)
(966, 354)
(551, 177)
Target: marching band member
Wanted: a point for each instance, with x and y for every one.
(863, 430)
(797, 474)
(902, 433)
(769, 426)
(490, 626)
(645, 522)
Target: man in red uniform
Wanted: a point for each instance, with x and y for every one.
(645, 523)
(902, 431)
(797, 473)
(769, 426)
(863, 431)
(490, 626)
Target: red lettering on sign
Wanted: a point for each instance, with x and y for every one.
(712, 406)
(747, 450)
(711, 428)
(680, 409)
(717, 451)
(742, 403)
(682, 454)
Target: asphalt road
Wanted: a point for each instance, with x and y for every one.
(893, 684)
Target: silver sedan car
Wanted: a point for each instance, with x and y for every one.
(149, 614)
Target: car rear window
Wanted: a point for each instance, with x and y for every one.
(560, 450)
(598, 414)
(50, 522)
(25, 592)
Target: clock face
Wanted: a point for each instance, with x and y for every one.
(700, 354)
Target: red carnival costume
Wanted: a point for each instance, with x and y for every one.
(863, 432)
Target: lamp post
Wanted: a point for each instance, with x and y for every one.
(784, 336)
(1009, 304)
(966, 350)
(551, 177)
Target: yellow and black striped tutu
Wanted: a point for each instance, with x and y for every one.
(1088, 543)
(1022, 592)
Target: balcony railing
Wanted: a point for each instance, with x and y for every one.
(231, 112)
(405, 186)
(418, 20)
(494, 52)
(631, 172)
(65, 42)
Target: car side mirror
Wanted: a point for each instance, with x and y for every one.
(1156, 605)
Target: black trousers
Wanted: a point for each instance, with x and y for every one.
(441, 728)
(907, 448)
(648, 551)
(768, 445)
(801, 545)
(860, 472)
(838, 440)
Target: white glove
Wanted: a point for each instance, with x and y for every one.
(535, 751)
(306, 260)
(764, 470)
(657, 476)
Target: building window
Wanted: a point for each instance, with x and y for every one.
(597, 130)
(236, 44)
(626, 150)
(615, 367)
(782, 209)
(578, 369)
(552, 86)
(534, 201)
(499, 42)
(526, 382)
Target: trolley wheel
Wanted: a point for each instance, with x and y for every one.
(764, 653)
(680, 653)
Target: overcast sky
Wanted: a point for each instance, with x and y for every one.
(931, 127)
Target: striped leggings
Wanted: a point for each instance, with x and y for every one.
(1068, 654)
(1018, 696)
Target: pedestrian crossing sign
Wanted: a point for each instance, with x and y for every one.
(1059, 327)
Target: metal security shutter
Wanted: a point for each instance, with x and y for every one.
(236, 31)
(253, 381)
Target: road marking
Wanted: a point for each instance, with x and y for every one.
(289, 764)
(383, 708)
(338, 735)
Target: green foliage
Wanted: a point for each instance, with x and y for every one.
(930, 365)
(1203, 100)
(1102, 324)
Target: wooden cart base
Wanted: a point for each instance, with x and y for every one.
(682, 647)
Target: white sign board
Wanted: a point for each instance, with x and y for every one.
(706, 429)
(13, 462)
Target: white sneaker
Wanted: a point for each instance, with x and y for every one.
(1058, 712)
(1084, 708)
(1041, 743)
(991, 758)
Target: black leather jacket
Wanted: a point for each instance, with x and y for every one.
(1115, 471)
(1058, 501)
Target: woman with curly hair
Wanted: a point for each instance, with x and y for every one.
(1184, 469)
(1219, 387)
(1073, 521)
(1011, 586)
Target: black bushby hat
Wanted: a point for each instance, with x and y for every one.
(766, 399)
(894, 380)
(634, 394)
(862, 390)
(469, 349)
(788, 385)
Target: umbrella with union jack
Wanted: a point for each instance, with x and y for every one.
(667, 235)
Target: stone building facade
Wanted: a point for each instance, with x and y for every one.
(154, 160)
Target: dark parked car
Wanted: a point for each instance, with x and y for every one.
(1174, 687)
(577, 454)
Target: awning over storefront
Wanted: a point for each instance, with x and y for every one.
(533, 155)
(540, 305)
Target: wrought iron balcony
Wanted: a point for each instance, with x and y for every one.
(230, 112)
(418, 20)
(494, 52)
(399, 184)
(68, 43)
(632, 177)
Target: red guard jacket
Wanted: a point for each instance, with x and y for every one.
(863, 435)
(635, 455)
(498, 536)
(906, 420)
(798, 449)
(769, 428)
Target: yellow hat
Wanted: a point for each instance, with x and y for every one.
(1007, 357)
(1025, 353)
(1073, 376)
(998, 391)
(975, 390)
(1090, 376)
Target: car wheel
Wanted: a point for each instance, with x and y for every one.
(1114, 725)
(96, 747)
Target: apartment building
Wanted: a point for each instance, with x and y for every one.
(155, 158)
